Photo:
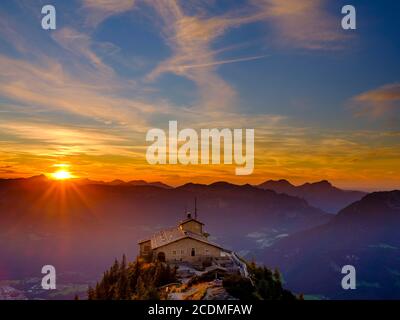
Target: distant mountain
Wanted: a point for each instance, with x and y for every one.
(280, 186)
(85, 181)
(364, 234)
(116, 182)
(319, 194)
(144, 183)
(81, 226)
(119, 182)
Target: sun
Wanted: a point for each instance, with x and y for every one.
(62, 175)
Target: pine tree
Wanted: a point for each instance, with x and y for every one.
(277, 275)
(123, 292)
(133, 274)
(91, 293)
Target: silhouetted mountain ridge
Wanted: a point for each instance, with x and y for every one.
(377, 207)
(364, 234)
(320, 194)
(81, 221)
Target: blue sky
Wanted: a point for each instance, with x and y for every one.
(324, 101)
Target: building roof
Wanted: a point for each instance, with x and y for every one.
(191, 219)
(167, 236)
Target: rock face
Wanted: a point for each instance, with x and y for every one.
(204, 283)
(209, 290)
(321, 194)
(365, 234)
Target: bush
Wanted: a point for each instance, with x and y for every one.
(239, 287)
(265, 285)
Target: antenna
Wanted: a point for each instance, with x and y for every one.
(195, 208)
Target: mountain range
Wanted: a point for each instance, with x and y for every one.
(320, 194)
(118, 182)
(365, 234)
(82, 224)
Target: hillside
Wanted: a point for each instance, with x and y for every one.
(364, 234)
(141, 280)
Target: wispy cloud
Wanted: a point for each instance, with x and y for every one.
(80, 44)
(100, 10)
(302, 24)
(57, 134)
(50, 86)
(221, 62)
(9, 33)
(378, 102)
(191, 37)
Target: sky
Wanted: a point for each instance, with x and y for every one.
(323, 101)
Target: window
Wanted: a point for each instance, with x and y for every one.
(174, 252)
(193, 252)
(182, 251)
(161, 256)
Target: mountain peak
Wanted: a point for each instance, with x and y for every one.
(38, 178)
(381, 206)
(222, 184)
(116, 182)
(323, 183)
(280, 186)
(321, 194)
(281, 182)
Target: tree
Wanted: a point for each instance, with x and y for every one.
(266, 285)
(123, 290)
(91, 293)
(138, 280)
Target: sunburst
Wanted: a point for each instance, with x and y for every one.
(62, 175)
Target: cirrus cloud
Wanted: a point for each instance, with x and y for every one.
(100, 10)
(379, 101)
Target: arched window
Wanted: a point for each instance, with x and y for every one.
(193, 252)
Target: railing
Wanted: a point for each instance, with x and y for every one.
(242, 266)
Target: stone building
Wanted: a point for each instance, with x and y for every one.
(185, 243)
